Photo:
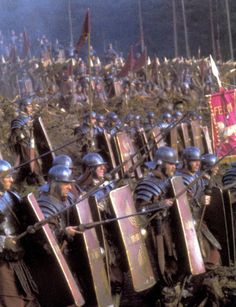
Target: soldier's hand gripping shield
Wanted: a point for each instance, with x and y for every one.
(57, 286)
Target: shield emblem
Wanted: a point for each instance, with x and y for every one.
(133, 242)
(43, 145)
(63, 291)
(189, 253)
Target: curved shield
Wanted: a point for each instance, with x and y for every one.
(95, 260)
(229, 202)
(184, 132)
(57, 286)
(207, 143)
(156, 136)
(133, 242)
(215, 217)
(143, 144)
(43, 144)
(103, 141)
(189, 252)
(196, 134)
(125, 152)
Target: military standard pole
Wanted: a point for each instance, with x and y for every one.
(212, 29)
(229, 31)
(185, 30)
(175, 28)
(90, 84)
(70, 24)
(141, 26)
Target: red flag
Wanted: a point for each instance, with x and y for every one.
(26, 44)
(223, 120)
(129, 64)
(140, 62)
(85, 31)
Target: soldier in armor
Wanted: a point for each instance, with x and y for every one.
(138, 122)
(100, 122)
(94, 172)
(166, 120)
(57, 198)
(87, 132)
(129, 125)
(177, 116)
(17, 286)
(64, 160)
(208, 162)
(113, 124)
(22, 142)
(155, 190)
(198, 199)
(151, 121)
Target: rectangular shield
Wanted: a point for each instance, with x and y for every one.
(95, 259)
(143, 144)
(207, 143)
(196, 134)
(185, 135)
(117, 88)
(104, 146)
(173, 138)
(43, 144)
(156, 136)
(133, 242)
(188, 246)
(229, 202)
(215, 217)
(61, 288)
(125, 151)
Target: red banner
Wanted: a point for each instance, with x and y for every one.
(129, 64)
(223, 120)
(85, 31)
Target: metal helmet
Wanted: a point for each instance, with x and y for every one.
(100, 118)
(193, 115)
(150, 115)
(166, 115)
(63, 160)
(92, 159)
(192, 154)
(112, 116)
(5, 167)
(26, 102)
(177, 114)
(89, 115)
(208, 160)
(163, 155)
(60, 173)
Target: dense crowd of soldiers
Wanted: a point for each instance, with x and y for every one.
(144, 210)
(139, 214)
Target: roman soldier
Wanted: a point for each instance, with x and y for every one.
(17, 286)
